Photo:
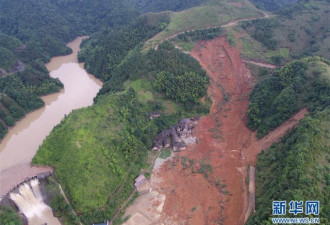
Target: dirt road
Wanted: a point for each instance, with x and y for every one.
(229, 24)
(261, 64)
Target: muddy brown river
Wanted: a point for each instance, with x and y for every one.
(23, 140)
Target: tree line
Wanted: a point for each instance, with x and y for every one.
(201, 34)
(300, 83)
(32, 32)
(296, 168)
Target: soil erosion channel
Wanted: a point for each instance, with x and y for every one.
(196, 194)
(22, 141)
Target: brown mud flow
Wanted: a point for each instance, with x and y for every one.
(205, 184)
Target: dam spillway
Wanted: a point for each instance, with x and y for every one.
(30, 202)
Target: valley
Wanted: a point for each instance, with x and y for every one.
(259, 94)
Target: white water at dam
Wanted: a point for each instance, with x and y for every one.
(30, 203)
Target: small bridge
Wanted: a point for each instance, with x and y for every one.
(15, 176)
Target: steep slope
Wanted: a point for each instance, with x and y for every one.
(97, 152)
(294, 32)
(213, 13)
(300, 83)
(297, 168)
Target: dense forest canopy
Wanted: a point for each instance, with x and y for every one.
(297, 168)
(301, 83)
(107, 49)
(9, 217)
(102, 148)
(185, 81)
(296, 31)
(31, 32)
(273, 5)
(160, 5)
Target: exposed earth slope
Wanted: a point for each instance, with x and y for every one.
(206, 183)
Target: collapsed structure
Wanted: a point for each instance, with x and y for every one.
(178, 136)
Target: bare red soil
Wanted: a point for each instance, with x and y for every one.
(224, 142)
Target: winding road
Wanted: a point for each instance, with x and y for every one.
(229, 24)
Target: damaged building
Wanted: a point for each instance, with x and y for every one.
(177, 136)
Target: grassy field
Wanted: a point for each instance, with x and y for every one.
(282, 52)
(142, 88)
(145, 93)
(211, 14)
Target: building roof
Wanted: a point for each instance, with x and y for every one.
(140, 178)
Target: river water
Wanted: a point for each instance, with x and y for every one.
(23, 140)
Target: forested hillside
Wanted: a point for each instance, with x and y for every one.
(32, 32)
(160, 5)
(272, 5)
(98, 151)
(114, 56)
(297, 31)
(297, 168)
(106, 50)
(24, 78)
(301, 83)
(178, 76)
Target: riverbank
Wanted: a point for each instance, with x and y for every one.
(23, 140)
